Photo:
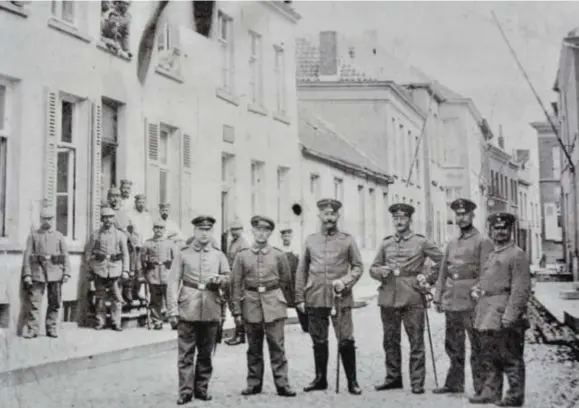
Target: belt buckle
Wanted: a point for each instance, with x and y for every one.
(260, 289)
(455, 276)
(201, 286)
(397, 272)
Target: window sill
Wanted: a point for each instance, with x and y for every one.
(260, 110)
(10, 247)
(280, 117)
(68, 29)
(227, 97)
(14, 9)
(101, 45)
(169, 74)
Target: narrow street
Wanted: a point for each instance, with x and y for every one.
(152, 381)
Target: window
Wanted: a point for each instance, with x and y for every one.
(279, 70)
(164, 168)
(255, 69)
(338, 189)
(257, 185)
(225, 38)
(227, 169)
(66, 172)
(418, 158)
(315, 186)
(385, 207)
(362, 215)
(109, 145)
(394, 148)
(4, 137)
(403, 154)
(493, 185)
(556, 162)
(372, 199)
(282, 191)
(64, 10)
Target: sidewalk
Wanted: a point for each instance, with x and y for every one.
(76, 349)
(566, 311)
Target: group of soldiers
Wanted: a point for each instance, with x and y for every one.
(482, 286)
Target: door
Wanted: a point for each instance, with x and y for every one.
(224, 219)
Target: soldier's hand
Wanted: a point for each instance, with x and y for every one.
(27, 281)
(125, 275)
(141, 279)
(301, 307)
(338, 285)
(65, 278)
(385, 271)
(438, 307)
(174, 321)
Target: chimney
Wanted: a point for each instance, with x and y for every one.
(328, 56)
(501, 139)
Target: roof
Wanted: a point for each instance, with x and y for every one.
(320, 139)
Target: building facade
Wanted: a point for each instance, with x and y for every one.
(71, 130)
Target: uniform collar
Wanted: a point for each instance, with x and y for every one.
(503, 247)
(403, 237)
(470, 233)
(195, 245)
(45, 231)
(330, 232)
(257, 249)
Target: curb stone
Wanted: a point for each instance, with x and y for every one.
(25, 375)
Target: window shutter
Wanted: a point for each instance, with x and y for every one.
(175, 33)
(186, 182)
(96, 150)
(161, 37)
(152, 165)
(51, 135)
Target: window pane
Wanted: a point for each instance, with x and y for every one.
(224, 24)
(66, 133)
(62, 172)
(164, 147)
(54, 6)
(3, 164)
(2, 105)
(62, 214)
(163, 187)
(68, 11)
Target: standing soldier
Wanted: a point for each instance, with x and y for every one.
(460, 270)
(238, 243)
(503, 294)
(45, 266)
(398, 266)
(330, 264)
(107, 256)
(126, 200)
(172, 230)
(261, 277)
(193, 301)
(293, 260)
(142, 221)
(157, 257)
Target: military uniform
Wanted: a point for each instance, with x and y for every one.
(127, 201)
(107, 256)
(172, 230)
(401, 300)
(329, 256)
(459, 273)
(45, 265)
(194, 297)
(157, 257)
(261, 277)
(504, 291)
(293, 261)
(237, 245)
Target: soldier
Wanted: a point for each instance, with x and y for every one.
(157, 257)
(198, 273)
(503, 293)
(238, 243)
(172, 230)
(460, 270)
(107, 256)
(261, 276)
(126, 201)
(142, 221)
(330, 264)
(398, 266)
(293, 260)
(46, 265)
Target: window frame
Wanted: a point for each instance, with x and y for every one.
(256, 67)
(279, 68)
(257, 175)
(227, 49)
(165, 168)
(57, 11)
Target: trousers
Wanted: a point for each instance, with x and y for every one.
(413, 320)
(194, 337)
(35, 294)
(319, 322)
(303, 319)
(274, 333)
(458, 326)
(108, 289)
(158, 294)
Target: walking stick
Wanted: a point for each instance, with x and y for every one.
(338, 312)
(148, 297)
(424, 297)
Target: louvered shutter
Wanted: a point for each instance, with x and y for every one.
(96, 171)
(186, 182)
(152, 165)
(51, 145)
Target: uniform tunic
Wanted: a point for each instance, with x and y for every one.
(143, 225)
(157, 251)
(108, 242)
(172, 231)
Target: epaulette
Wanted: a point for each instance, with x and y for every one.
(419, 235)
(278, 250)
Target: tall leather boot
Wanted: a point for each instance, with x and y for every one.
(348, 353)
(321, 362)
(238, 337)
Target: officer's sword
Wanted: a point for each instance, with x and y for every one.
(338, 312)
(424, 297)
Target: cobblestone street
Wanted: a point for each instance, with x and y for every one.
(152, 381)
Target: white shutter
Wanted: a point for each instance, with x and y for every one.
(186, 182)
(175, 33)
(96, 176)
(51, 142)
(152, 165)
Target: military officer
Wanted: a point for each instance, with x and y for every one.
(460, 270)
(197, 274)
(330, 264)
(503, 293)
(172, 230)
(237, 244)
(107, 257)
(46, 265)
(158, 254)
(126, 199)
(293, 260)
(398, 266)
(261, 276)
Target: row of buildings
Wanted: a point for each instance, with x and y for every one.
(248, 119)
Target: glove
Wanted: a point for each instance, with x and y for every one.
(338, 286)
(423, 283)
(174, 321)
(301, 307)
(214, 283)
(27, 281)
(65, 278)
(385, 271)
(167, 264)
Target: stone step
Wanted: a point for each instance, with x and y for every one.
(575, 286)
(569, 294)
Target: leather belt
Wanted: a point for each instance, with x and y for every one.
(457, 277)
(196, 285)
(504, 291)
(262, 288)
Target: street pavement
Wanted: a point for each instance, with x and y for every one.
(152, 381)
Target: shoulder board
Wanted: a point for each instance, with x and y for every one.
(388, 237)
(278, 250)
(419, 235)
(344, 234)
